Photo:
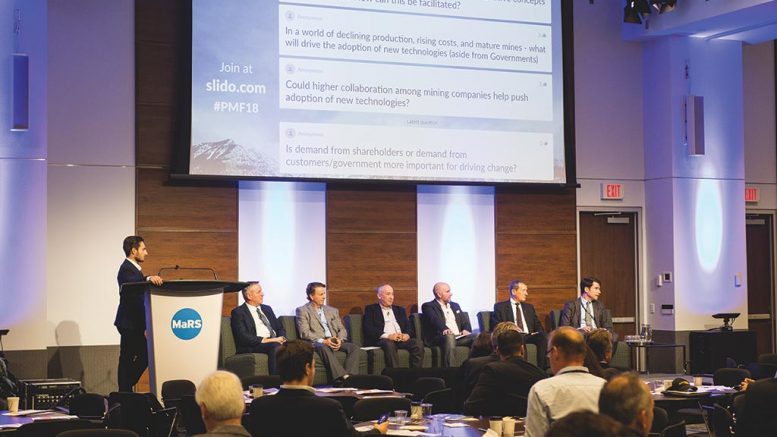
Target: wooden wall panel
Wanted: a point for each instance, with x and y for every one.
(156, 127)
(536, 241)
(371, 239)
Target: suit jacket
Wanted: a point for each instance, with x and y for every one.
(433, 320)
(570, 315)
(244, 328)
(503, 312)
(296, 412)
(756, 416)
(468, 376)
(498, 381)
(131, 313)
(309, 325)
(373, 323)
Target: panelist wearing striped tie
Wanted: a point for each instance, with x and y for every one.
(255, 327)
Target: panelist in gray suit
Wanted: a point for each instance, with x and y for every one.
(321, 325)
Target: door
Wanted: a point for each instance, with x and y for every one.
(608, 250)
(760, 280)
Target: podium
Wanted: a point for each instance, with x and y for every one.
(183, 327)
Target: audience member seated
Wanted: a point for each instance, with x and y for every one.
(481, 347)
(592, 363)
(386, 325)
(494, 393)
(444, 325)
(627, 399)
(600, 343)
(320, 324)
(755, 412)
(255, 327)
(470, 370)
(516, 310)
(572, 388)
(220, 398)
(586, 424)
(296, 410)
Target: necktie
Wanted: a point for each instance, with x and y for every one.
(519, 318)
(266, 322)
(589, 322)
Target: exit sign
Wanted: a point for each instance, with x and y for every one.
(752, 194)
(612, 191)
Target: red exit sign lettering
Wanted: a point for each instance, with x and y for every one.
(752, 195)
(612, 191)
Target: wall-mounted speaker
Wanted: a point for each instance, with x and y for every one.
(21, 93)
(694, 124)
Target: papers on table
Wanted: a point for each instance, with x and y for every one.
(335, 389)
(25, 412)
(374, 391)
(369, 348)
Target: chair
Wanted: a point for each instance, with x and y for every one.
(174, 390)
(462, 352)
(554, 316)
(660, 420)
(730, 377)
(381, 382)
(141, 413)
(676, 430)
(191, 416)
(722, 422)
(242, 365)
(53, 427)
(442, 401)
(267, 381)
(89, 406)
(98, 433)
(112, 418)
(372, 408)
(426, 384)
(484, 321)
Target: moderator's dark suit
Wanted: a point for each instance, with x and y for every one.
(296, 412)
(756, 415)
(131, 323)
(244, 330)
(570, 315)
(498, 383)
(373, 324)
(503, 312)
(433, 321)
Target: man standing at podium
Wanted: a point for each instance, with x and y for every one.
(255, 327)
(131, 315)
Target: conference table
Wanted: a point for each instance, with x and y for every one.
(448, 425)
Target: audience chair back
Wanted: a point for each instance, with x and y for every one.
(174, 390)
(52, 428)
(89, 406)
(372, 408)
(112, 418)
(98, 433)
(426, 384)
(730, 377)
(722, 422)
(660, 420)
(267, 381)
(442, 401)
(191, 416)
(675, 430)
(136, 411)
(381, 382)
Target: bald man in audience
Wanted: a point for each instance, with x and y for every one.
(572, 388)
(627, 399)
(220, 398)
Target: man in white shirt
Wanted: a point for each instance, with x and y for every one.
(445, 325)
(386, 325)
(255, 327)
(571, 389)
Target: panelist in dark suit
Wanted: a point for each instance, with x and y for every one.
(386, 325)
(443, 321)
(131, 315)
(517, 311)
(255, 327)
(500, 381)
(321, 324)
(593, 312)
(296, 410)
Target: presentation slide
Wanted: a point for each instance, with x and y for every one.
(417, 90)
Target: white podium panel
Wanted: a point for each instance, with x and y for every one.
(183, 335)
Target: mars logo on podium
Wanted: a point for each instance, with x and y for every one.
(186, 324)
